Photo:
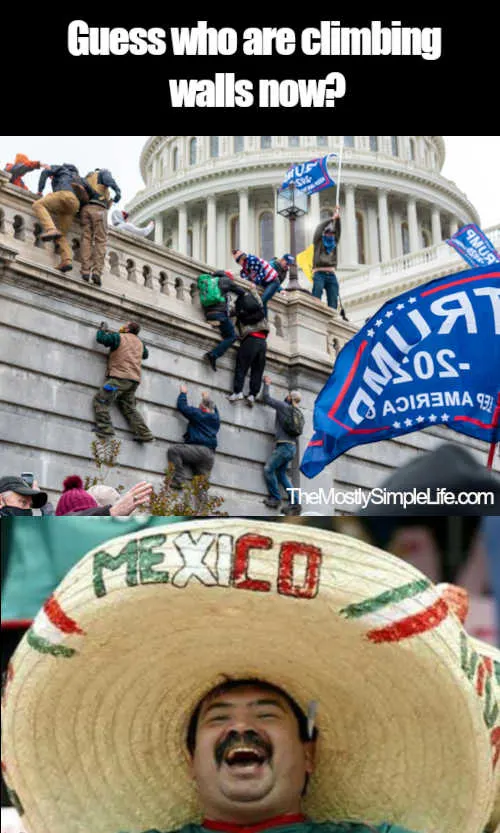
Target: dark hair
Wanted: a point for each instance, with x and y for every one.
(232, 685)
(133, 327)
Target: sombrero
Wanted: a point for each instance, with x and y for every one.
(100, 691)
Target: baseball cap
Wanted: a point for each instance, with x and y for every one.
(289, 258)
(11, 483)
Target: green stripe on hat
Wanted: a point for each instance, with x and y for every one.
(406, 591)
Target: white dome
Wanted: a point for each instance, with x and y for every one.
(209, 194)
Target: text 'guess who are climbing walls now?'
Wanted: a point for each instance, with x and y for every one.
(225, 89)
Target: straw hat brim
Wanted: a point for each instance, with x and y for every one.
(102, 688)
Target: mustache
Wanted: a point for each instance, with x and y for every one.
(248, 738)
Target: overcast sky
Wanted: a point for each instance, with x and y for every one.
(472, 162)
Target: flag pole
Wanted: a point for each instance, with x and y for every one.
(338, 173)
(494, 422)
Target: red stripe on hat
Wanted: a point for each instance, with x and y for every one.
(495, 742)
(59, 618)
(412, 625)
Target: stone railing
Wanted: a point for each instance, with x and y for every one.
(377, 282)
(134, 264)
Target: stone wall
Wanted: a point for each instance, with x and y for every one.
(51, 366)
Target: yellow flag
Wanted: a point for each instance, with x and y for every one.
(305, 261)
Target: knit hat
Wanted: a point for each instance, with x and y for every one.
(74, 497)
(102, 687)
(104, 495)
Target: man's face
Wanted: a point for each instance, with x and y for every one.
(15, 500)
(249, 762)
(284, 263)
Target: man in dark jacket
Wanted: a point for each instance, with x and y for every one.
(57, 210)
(283, 453)
(253, 330)
(219, 312)
(197, 452)
(93, 218)
(122, 380)
(325, 240)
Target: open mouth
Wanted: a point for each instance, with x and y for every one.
(245, 756)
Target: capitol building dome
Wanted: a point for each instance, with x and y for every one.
(210, 194)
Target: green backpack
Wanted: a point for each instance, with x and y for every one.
(210, 294)
(293, 421)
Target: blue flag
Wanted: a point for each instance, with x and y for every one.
(473, 245)
(310, 177)
(429, 356)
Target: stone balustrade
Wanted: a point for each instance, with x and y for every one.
(364, 290)
(51, 366)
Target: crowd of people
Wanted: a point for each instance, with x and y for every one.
(243, 323)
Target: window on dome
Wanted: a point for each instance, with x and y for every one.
(322, 141)
(405, 236)
(394, 146)
(413, 154)
(190, 243)
(175, 160)
(374, 143)
(266, 235)
(239, 144)
(293, 141)
(349, 141)
(234, 232)
(193, 147)
(214, 146)
(265, 142)
(360, 237)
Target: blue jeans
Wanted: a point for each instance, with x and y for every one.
(275, 469)
(328, 281)
(227, 332)
(270, 290)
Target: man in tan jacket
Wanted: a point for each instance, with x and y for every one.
(123, 377)
(94, 222)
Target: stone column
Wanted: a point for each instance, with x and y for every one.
(454, 226)
(397, 221)
(252, 243)
(374, 249)
(243, 224)
(383, 218)
(223, 255)
(197, 236)
(281, 236)
(348, 244)
(436, 225)
(182, 229)
(411, 207)
(158, 232)
(314, 212)
(211, 231)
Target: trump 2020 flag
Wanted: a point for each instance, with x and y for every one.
(429, 356)
(310, 177)
(473, 245)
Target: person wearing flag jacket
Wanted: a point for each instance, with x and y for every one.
(325, 240)
(258, 271)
